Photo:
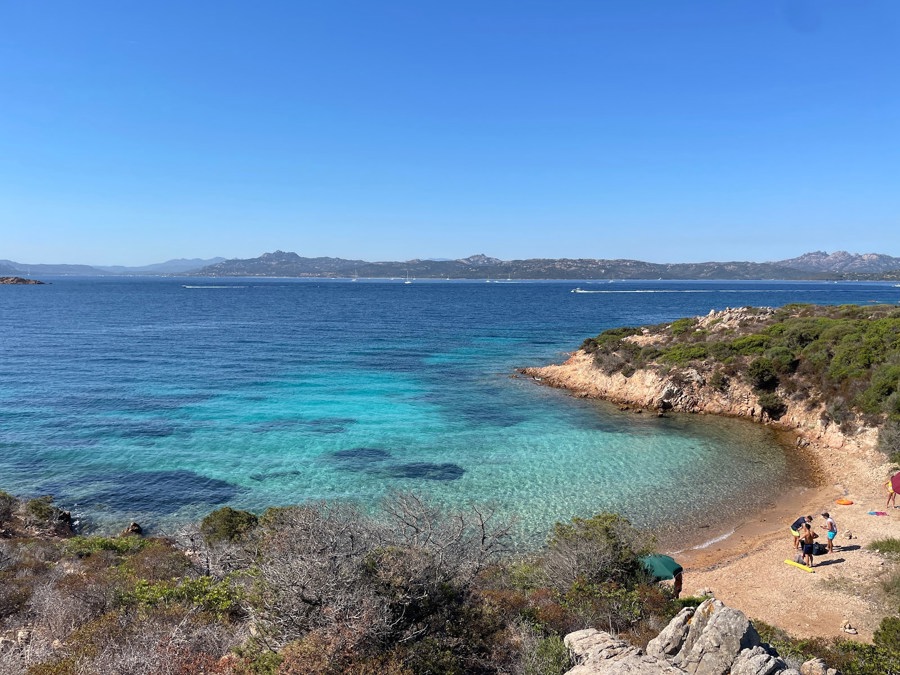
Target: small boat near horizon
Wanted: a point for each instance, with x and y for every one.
(581, 290)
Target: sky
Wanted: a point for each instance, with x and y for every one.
(659, 130)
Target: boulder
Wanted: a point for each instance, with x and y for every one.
(670, 640)
(716, 636)
(711, 639)
(599, 653)
(757, 661)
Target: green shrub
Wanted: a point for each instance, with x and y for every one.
(761, 374)
(85, 546)
(550, 657)
(751, 344)
(219, 597)
(682, 326)
(226, 524)
(40, 511)
(890, 545)
(8, 505)
(772, 405)
(719, 381)
(682, 354)
(887, 637)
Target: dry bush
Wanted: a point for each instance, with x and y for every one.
(329, 569)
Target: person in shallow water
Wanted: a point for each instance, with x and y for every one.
(808, 539)
(797, 526)
(830, 528)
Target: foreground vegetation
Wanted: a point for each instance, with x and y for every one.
(319, 588)
(324, 588)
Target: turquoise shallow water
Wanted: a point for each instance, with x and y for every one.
(141, 399)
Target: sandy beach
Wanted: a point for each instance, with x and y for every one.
(742, 563)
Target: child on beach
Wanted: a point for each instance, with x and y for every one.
(830, 528)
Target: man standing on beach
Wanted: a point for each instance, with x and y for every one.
(797, 527)
(808, 539)
(830, 528)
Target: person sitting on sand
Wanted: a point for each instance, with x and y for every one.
(830, 528)
(808, 538)
(892, 496)
(797, 526)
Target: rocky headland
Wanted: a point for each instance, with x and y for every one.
(683, 367)
(19, 281)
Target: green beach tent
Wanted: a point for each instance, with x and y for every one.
(661, 566)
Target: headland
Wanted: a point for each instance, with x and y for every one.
(737, 362)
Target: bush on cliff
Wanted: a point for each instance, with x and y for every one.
(226, 524)
(849, 352)
(8, 505)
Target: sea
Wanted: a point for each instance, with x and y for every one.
(157, 400)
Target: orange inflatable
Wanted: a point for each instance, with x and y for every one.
(844, 502)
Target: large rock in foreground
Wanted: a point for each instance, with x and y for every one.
(711, 639)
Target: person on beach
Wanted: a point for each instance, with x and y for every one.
(808, 539)
(830, 528)
(797, 526)
(892, 496)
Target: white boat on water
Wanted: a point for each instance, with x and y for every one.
(581, 290)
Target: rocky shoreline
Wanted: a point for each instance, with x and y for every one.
(746, 568)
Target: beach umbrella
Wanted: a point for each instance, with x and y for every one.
(661, 566)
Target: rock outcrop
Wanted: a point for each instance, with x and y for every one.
(711, 639)
(19, 280)
(691, 390)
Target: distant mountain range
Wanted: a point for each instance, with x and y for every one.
(815, 265)
(178, 266)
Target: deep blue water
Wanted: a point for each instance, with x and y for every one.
(131, 398)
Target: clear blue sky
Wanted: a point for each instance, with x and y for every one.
(663, 130)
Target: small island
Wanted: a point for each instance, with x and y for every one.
(13, 281)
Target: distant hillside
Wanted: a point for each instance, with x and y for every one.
(841, 261)
(177, 266)
(8, 267)
(286, 264)
(815, 265)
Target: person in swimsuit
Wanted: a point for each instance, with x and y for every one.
(830, 528)
(808, 539)
(797, 526)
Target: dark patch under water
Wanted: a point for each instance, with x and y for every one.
(325, 425)
(159, 491)
(271, 475)
(425, 471)
(359, 459)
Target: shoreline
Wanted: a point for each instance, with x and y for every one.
(742, 563)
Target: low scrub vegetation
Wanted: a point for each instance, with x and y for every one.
(325, 588)
(321, 588)
(848, 355)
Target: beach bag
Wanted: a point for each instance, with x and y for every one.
(819, 549)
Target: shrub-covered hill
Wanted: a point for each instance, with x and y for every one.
(843, 359)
